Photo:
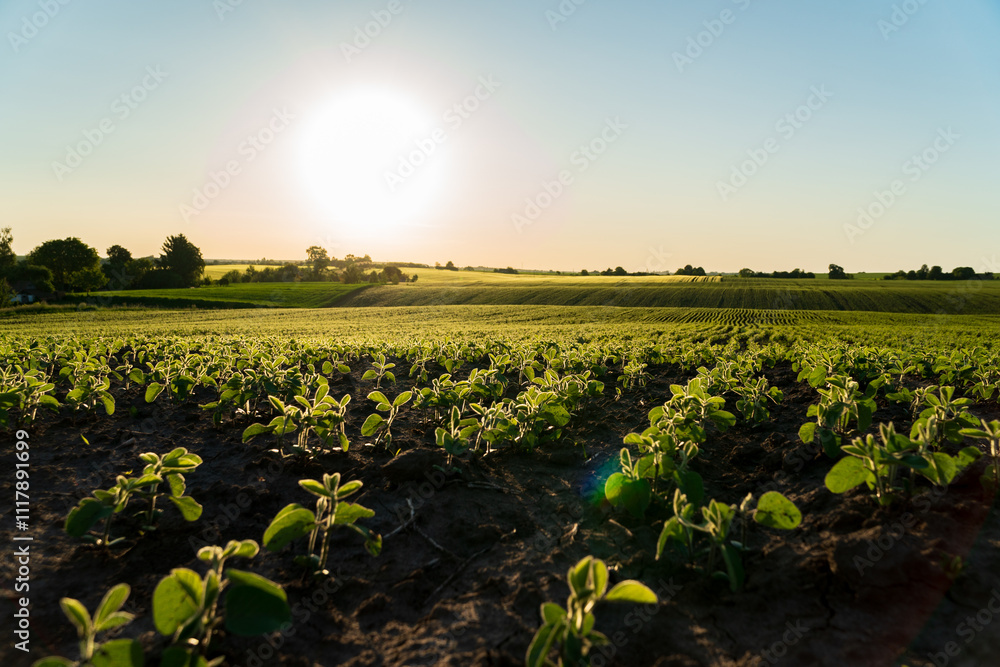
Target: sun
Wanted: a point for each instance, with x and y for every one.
(371, 159)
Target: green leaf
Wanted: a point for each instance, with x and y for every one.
(119, 653)
(176, 599)
(314, 487)
(109, 403)
(371, 424)
(808, 432)
(864, 416)
(369, 375)
(613, 488)
(78, 615)
(177, 484)
(255, 430)
(348, 489)
(552, 613)
(110, 603)
(776, 511)
(541, 645)
(83, 517)
(631, 591)
(244, 548)
(188, 506)
(848, 473)
(351, 512)
(254, 605)
(636, 496)
(291, 523)
(152, 391)
(966, 457)
(53, 662)
(672, 530)
(555, 415)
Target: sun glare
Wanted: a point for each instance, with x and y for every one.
(367, 160)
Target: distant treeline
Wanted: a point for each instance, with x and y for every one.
(936, 273)
(794, 274)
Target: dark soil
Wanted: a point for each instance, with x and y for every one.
(461, 584)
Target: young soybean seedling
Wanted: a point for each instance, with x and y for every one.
(380, 371)
(104, 505)
(185, 606)
(376, 423)
(170, 468)
(295, 521)
(108, 616)
(570, 631)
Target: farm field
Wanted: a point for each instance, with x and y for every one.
(495, 464)
(241, 295)
(435, 288)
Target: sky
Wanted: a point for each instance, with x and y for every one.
(553, 134)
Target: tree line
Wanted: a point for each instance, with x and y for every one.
(937, 273)
(70, 265)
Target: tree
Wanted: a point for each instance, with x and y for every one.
(838, 273)
(619, 271)
(88, 279)
(118, 256)
(182, 258)
(6, 294)
(936, 273)
(7, 256)
(585, 272)
(393, 275)
(747, 273)
(116, 268)
(232, 276)
(319, 259)
(922, 273)
(352, 274)
(964, 273)
(450, 266)
(68, 258)
(39, 276)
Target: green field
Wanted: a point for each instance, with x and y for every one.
(439, 288)
(242, 295)
(661, 292)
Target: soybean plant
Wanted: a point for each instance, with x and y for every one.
(185, 605)
(108, 616)
(570, 631)
(295, 521)
(376, 423)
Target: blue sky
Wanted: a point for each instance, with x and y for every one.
(691, 157)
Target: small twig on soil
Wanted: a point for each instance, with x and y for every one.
(567, 539)
(627, 531)
(434, 544)
(406, 523)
